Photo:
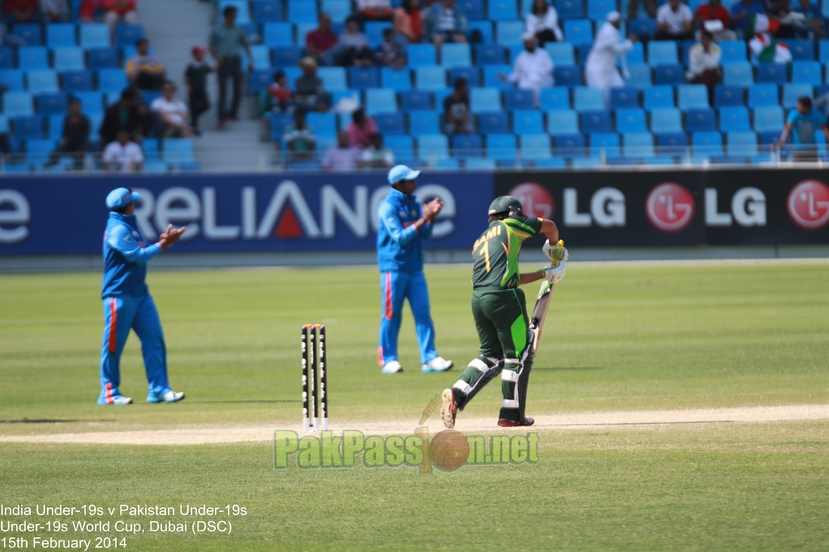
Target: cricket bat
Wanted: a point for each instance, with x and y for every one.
(542, 304)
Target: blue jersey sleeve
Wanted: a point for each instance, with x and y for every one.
(391, 222)
(122, 240)
(426, 231)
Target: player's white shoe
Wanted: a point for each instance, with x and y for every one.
(168, 397)
(392, 367)
(437, 364)
(117, 400)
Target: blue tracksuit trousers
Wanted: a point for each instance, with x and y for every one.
(395, 287)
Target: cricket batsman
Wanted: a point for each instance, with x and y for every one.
(404, 224)
(500, 312)
(128, 303)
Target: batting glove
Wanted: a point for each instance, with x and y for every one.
(554, 274)
(555, 252)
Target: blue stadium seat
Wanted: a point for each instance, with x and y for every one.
(152, 149)
(692, 95)
(69, 59)
(823, 50)
(286, 56)
(493, 122)
(791, 92)
(94, 35)
(81, 81)
(567, 75)
(700, 120)
(375, 30)
(38, 150)
(490, 54)
(18, 104)
(491, 79)
(421, 55)
(472, 75)
(595, 121)
(55, 103)
(597, 10)
(361, 78)
(526, 121)
(583, 52)
(396, 79)
(605, 144)
(42, 81)
(734, 118)
(414, 100)
(127, 34)
(501, 148)
(60, 35)
(380, 100)
(642, 28)
(479, 164)
(671, 142)
(587, 99)
(267, 11)
(502, 10)
(666, 120)
(509, 32)
(278, 34)
(333, 78)
(32, 33)
(401, 146)
(484, 99)
(561, 53)
(30, 127)
(636, 55)
(302, 30)
(261, 56)
(517, 98)
(638, 144)
(738, 74)
(91, 102)
(630, 120)
(728, 96)
(623, 97)
(742, 143)
(102, 58)
(12, 79)
(447, 164)
(672, 74)
(550, 163)
(801, 49)
(578, 31)
(110, 80)
(424, 122)
(55, 126)
(259, 80)
(324, 124)
(7, 57)
(467, 145)
(390, 124)
(768, 118)
(430, 77)
(640, 75)
(570, 9)
(483, 27)
(177, 150)
(33, 57)
(474, 9)
(302, 11)
(455, 55)
(733, 51)
(760, 95)
(662, 52)
(807, 72)
(562, 121)
(339, 10)
(278, 123)
(707, 143)
(570, 145)
(535, 146)
(556, 98)
(771, 73)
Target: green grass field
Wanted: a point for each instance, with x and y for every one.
(618, 338)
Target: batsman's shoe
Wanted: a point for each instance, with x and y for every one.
(392, 367)
(448, 408)
(516, 423)
(437, 364)
(115, 400)
(168, 397)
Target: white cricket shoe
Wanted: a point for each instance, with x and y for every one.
(115, 400)
(437, 364)
(392, 367)
(168, 397)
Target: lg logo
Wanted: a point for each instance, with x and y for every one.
(808, 205)
(670, 207)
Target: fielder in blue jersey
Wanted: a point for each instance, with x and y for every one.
(128, 304)
(404, 224)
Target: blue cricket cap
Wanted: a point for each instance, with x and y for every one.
(402, 172)
(120, 197)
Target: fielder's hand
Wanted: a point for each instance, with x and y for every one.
(431, 209)
(554, 274)
(170, 236)
(556, 253)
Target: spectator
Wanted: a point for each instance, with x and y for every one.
(54, 11)
(195, 78)
(767, 48)
(705, 64)
(172, 113)
(390, 52)
(342, 157)
(740, 12)
(805, 121)
(360, 129)
(144, 70)
(75, 136)
(92, 11)
(376, 156)
(600, 70)
(456, 109)
(354, 49)
(279, 98)
(225, 40)
(714, 12)
(119, 11)
(299, 138)
(806, 19)
(408, 21)
(542, 21)
(445, 22)
(21, 11)
(533, 68)
(633, 8)
(374, 10)
(320, 43)
(123, 155)
(674, 21)
(309, 94)
(124, 115)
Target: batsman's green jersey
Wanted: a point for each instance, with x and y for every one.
(495, 253)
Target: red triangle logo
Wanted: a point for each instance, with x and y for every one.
(288, 226)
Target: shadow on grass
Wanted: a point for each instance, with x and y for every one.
(49, 421)
(242, 401)
(567, 368)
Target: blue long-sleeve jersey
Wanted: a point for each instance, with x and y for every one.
(399, 243)
(126, 254)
